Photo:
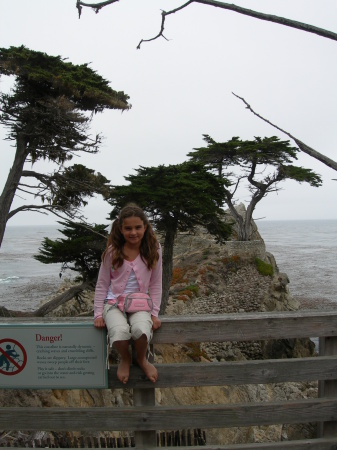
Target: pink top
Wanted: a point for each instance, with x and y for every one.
(148, 280)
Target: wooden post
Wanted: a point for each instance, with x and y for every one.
(328, 347)
(145, 397)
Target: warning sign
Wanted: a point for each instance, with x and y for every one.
(13, 357)
(53, 355)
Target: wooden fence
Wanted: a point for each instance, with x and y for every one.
(144, 418)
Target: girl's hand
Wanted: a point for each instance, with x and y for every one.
(156, 323)
(99, 322)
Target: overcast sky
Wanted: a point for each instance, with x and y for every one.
(182, 88)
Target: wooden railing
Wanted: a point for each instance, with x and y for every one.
(145, 418)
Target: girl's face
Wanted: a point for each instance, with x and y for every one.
(133, 230)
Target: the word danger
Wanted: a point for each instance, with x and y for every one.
(51, 339)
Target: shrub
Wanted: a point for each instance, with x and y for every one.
(190, 290)
(178, 276)
(232, 263)
(264, 268)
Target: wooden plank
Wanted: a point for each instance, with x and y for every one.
(246, 327)
(232, 373)
(307, 444)
(228, 327)
(145, 397)
(330, 387)
(44, 320)
(168, 417)
(321, 352)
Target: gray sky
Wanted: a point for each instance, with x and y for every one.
(182, 88)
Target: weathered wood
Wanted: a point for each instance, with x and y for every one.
(210, 328)
(232, 373)
(307, 444)
(143, 398)
(166, 417)
(44, 320)
(229, 327)
(330, 386)
(246, 327)
(321, 352)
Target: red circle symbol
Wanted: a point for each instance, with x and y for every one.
(13, 357)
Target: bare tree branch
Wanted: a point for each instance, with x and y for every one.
(163, 17)
(229, 6)
(36, 208)
(271, 18)
(62, 299)
(248, 12)
(94, 6)
(42, 208)
(304, 147)
(51, 305)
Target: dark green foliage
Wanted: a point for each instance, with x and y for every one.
(264, 268)
(269, 151)
(74, 184)
(301, 174)
(56, 77)
(261, 163)
(47, 114)
(80, 251)
(47, 100)
(216, 155)
(176, 197)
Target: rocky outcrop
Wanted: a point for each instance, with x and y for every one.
(213, 279)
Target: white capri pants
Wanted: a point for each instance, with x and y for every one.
(123, 328)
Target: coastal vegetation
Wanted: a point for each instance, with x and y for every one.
(264, 268)
(80, 251)
(181, 198)
(47, 115)
(263, 163)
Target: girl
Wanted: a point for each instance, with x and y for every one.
(131, 262)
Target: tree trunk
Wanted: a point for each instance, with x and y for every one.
(62, 298)
(50, 306)
(11, 185)
(243, 235)
(167, 267)
(248, 219)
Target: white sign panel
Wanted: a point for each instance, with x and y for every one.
(66, 356)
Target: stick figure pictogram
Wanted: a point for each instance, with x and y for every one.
(13, 357)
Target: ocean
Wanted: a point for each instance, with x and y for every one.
(24, 281)
(305, 250)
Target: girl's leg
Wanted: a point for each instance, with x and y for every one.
(141, 331)
(123, 370)
(141, 346)
(119, 336)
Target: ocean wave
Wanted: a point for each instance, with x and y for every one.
(8, 279)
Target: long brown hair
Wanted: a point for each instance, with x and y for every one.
(148, 248)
